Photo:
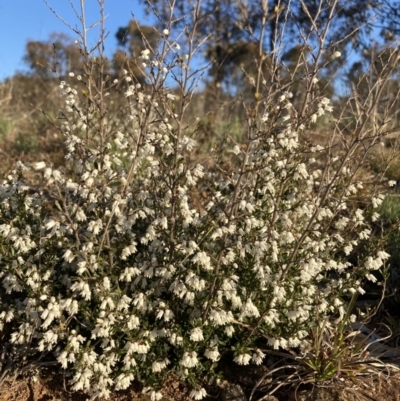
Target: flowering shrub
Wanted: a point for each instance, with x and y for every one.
(120, 272)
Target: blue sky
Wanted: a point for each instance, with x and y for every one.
(23, 20)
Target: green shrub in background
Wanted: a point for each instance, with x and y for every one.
(390, 216)
(390, 208)
(25, 143)
(6, 128)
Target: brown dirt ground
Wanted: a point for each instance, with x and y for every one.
(50, 385)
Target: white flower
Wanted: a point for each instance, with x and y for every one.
(145, 54)
(198, 394)
(168, 315)
(155, 395)
(392, 183)
(63, 359)
(229, 330)
(212, 354)
(196, 334)
(130, 91)
(220, 317)
(325, 101)
(9, 316)
(202, 259)
(189, 359)
(57, 175)
(47, 173)
(264, 118)
(375, 216)
(377, 201)
(80, 215)
(336, 55)
(86, 294)
(249, 309)
(39, 166)
(281, 98)
(258, 357)
(361, 290)
(294, 342)
(347, 249)
(123, 381)
(139, 348)
(242, 359)
(157, 366)
(133, 322)
(68, 256)
(95, 226)
(50, 224)
(274, 343)
(383, 255)
(165, 32)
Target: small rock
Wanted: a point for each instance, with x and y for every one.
(233, 392)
